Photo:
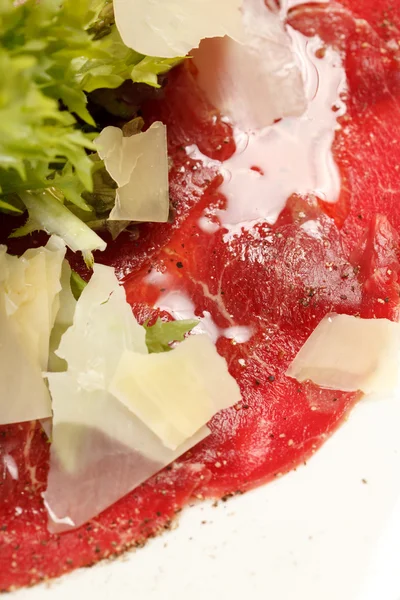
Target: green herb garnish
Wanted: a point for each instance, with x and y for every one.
(162, 334)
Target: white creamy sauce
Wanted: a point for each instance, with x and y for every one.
(194, 153)
(208, 225)
(11, 466)
(293, 155)
(177, 304)
(180, 307)
(156, 278)
(313, 229)
(239, 333)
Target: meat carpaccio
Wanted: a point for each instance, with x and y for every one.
(269, 283)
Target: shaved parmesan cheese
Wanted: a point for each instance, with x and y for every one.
(139, 165)
(257, 81)
(103, 447)
(103, 328)
(114, 149)
(64, 318)
(55, 256)
(23, 393)
(29, 304)
(170, 28)
(175, 393)
(32, 288)
(349, 354)
(100, 450)
(13, 276)
(78, 410)
(32, 316)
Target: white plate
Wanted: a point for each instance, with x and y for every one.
(320, 533)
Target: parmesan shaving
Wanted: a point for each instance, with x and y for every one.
(175, 393)
(350, 354)
(100, 452)
(139, 165)
(30, 305)
(170, 28)
(23, 393)
(103, 328)
(100, 449)
(32, 289)
(105, 438)
(64, 318)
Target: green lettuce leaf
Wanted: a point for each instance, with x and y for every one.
(162, 334)
(52, 54)
(47, 212)
(77, 284)
(149, 68)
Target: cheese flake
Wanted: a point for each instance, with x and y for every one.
(139, 165)
(349, 354)
(170, 28)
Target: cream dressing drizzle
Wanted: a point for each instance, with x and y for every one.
(180, 306)
(294, 155)
(11, 466)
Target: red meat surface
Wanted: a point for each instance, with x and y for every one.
(278, 280)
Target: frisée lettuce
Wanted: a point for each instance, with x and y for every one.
(55, 54)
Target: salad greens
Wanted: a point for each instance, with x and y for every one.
(77, 284)
(54, 53)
